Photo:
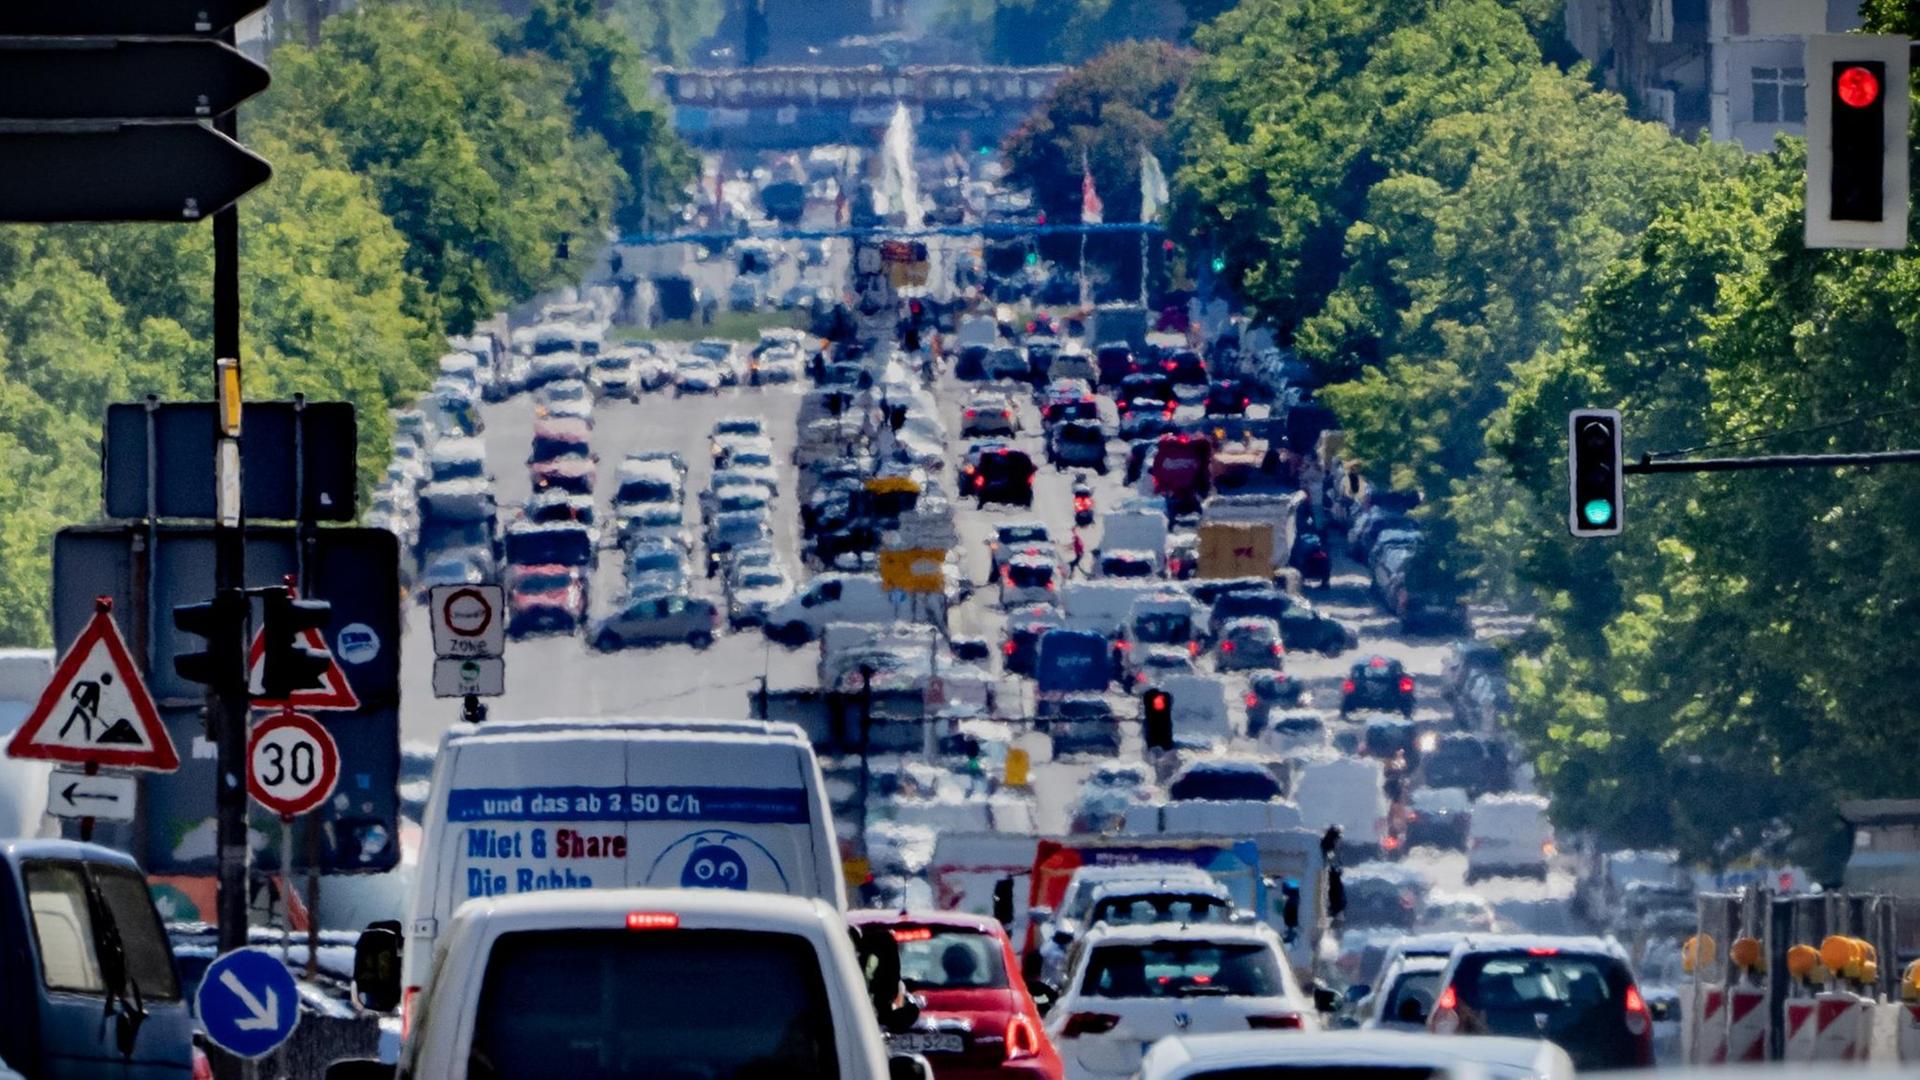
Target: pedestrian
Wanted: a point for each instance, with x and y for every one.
(1079, 552)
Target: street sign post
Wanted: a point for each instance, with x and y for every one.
(124, 172)
(292, 764)
(108, 17)
(96, 709)
(468, 620)
(91, 795)
(479, 676)
(914, 571)
(61, 78)
(248, 1002)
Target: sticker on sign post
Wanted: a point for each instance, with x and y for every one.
(292, 764)
(468, 620)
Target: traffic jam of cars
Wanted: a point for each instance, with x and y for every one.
(1159, 765)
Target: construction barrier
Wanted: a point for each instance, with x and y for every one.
(1800, 1027)
(1842, 1026)
(1747, 1024)
(1710, 1031)
(1908, 1039)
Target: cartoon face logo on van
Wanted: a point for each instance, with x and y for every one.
(718, 859)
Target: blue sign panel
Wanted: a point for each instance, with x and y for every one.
(767, 806)
(248, 1002)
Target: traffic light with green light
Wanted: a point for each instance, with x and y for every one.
(1594, 472)
(1219, 264)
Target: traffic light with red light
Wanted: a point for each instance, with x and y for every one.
(1157, 719)
(1594, 472)
(287, 663)
(1857, 107)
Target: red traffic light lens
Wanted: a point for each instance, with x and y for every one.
(1857, 87)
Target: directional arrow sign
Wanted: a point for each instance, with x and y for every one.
(71, 78)
(248, 1002)
(123, 172)
(107, 17)
(77, 795)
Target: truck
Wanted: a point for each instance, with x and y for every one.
(1279, 511)
(1103, 606)
(679, 300)
(1135, 530)
(1119, 323)
(1073, 661)
(1180, 472)
(1236, 549)
(785, 201)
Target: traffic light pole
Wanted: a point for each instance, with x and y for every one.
(227, 695)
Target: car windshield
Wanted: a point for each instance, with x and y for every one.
(545, 582)
(1020, 534)
(1030, 575)
(645, 491)
(1172, 969)
(762, 580)
(1225, 784)
(737, 426)
(652, 561)
(593, 1004)
(711, 350)
(749, 459)
(1126, 566)
(946, 959)
(660, 515)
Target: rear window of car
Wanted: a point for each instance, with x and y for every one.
(1521, 984)
(1030, 575)
(1175, 969)
(1019, 534)
(1225, 784)
(1163, 908)
(932, 958)
(587, 1004)
(637, 491)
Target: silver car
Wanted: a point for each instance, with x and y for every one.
(656, 619)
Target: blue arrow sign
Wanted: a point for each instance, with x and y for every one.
(248, 1002)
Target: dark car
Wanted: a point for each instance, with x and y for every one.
(1080, 724)
(1021, 647)
(1224, 781)
(1007, 362)
(1311, 557)
(1438, 817)
(1463, 759)
(1387, 737)
(1377, 683)
(1577, 993)
(971, 364)
(1228, 397)
(1144, 387)
(1185, 368)
(1078, 444)
(1268, 691)
(1306, 630)
(1381, 894)
(1115, 362)
(1262, 602)
(1004, 476)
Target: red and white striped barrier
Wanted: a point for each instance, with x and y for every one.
(1909, 1032)
(1746, 1024)
(1710, 1030)
(1800, 1025)
(1841, 1026)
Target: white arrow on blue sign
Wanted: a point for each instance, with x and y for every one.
(248, 1002)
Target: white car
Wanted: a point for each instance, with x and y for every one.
(698, 377)
(731, 431)
(779, 363)
(1354, 1053)
(1130, 986)
(754, 461)
(723, 354)
(989, 414)
(568, 397)
(753, 591)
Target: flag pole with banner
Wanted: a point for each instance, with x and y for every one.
(1091, 209)
(1153, 196)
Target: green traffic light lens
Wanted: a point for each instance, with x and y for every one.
(1597, 511)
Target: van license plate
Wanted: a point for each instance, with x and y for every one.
(926, 1042)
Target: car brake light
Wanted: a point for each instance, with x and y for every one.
(1406, 684)
(1008, 413)
(915, 933)
(652, 920)
(1023, 1039)
(1276, 648)
(1446, 1014)
(1638, 1021)
(1226, 646)
(202, 1068)
(969, 414)
(1280, 1022)
(406, 1010)
(1089, 1023)
(1547, 849)
(1377, 662)
(1252, 700)
(1123, 645)
(1193, 648)
(1391, 843)
(1346, 686)
(1168, 365)
(1543, 952)
(1007, 648)
(1449, 999)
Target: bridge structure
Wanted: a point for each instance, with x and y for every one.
(792, 108)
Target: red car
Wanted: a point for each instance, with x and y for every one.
(978, 1020)
(545, 600)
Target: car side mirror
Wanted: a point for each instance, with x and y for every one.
(1044, 995)
(902, 1067)
(1325, 999)
(1003, 901)
(359, 1069)
(1661, 1011)
(1358, 991)
(376, 967)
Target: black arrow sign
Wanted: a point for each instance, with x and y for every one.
(124, 172)
(69, 795)
(108, 18)
(105, 78)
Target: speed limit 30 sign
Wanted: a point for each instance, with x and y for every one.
(292, 763)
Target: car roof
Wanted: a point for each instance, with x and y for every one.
(1165, 884)
(927, 917)
(1146, 934)
(1333, 1048)
(1586, 944)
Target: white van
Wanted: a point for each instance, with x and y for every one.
(1348, 792)
(831, 598)
(549, 805)
(643, 982)
(1509, 836)
(1136, 530)
(1104, 606)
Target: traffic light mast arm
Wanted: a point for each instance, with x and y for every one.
(1646, 464)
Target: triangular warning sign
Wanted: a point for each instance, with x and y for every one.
(96, 709)
(334, 692)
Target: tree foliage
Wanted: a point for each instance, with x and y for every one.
(1034, 32)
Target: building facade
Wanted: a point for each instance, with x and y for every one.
(1734, 69)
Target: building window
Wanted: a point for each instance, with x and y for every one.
(1779, 95)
